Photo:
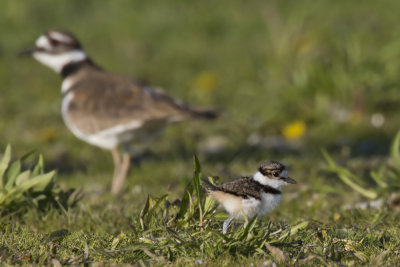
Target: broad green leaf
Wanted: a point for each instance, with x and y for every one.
(12, 173)
(39, 168)
(22, 177)
(17, 186)
(4, 165)
(209, 205)
(27, 155)
(17, 191)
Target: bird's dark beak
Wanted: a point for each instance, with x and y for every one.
(27, 52)
(289, 180)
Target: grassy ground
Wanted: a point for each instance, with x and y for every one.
(290, 76)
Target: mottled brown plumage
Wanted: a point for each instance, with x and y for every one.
(244, 187)
(270, 166)
(103, 100)
(251, 195)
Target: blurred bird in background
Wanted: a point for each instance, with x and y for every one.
(105, 109)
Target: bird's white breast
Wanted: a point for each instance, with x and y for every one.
(251, 206)
(268, 203)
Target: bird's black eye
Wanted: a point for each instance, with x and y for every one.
(54, 42)
(276, 174)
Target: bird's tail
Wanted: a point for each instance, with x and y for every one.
(205, 113)
(208, 186)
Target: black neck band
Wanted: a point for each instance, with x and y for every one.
(73, 67)
(268, 189)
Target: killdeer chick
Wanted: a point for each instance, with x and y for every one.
(251, 195)
(106, 109)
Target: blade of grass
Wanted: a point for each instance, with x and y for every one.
(197, 186)
(144, 211)
(184, 205)
(347, 177)
(395, 151)
(249, 227)
(293, 230)
(39, 168)
(153, 209)
(379, 177)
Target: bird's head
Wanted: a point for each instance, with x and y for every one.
(274, 174)
(56, 49)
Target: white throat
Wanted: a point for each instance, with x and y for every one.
(274, 183)
(58, 61)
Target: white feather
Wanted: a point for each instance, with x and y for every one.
(262, 179)
(43, 42)
(67, 84)
(60, 37)
(268, 203)
(251, 206)
(106, 139)
(58, 61)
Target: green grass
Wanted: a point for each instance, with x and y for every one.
(266, 64)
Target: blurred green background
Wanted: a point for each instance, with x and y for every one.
(290, 77)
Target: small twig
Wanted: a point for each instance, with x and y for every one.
(277, 232)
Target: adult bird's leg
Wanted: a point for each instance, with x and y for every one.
(117, 167)
(227, 222)
(121, 174)
(117, 162)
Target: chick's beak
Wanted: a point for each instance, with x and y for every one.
(289, 180)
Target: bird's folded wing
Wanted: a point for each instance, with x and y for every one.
(243, 186)
(103, 103)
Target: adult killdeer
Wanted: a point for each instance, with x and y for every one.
(107, 109)
(251, 195)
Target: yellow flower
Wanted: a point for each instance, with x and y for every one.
(323, 233)
(206, 81)
(336, 216)
(48, 134)
(294, 130)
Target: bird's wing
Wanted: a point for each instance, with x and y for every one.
(104, 100)
(243, 186)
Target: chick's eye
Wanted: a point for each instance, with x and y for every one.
(276, 174)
